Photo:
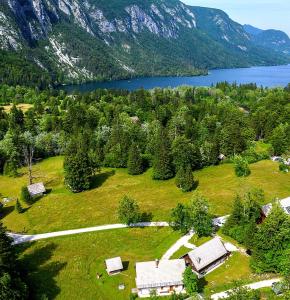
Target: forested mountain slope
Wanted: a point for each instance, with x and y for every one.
(274, 39)
(73, 40)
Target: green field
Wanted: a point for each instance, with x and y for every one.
(61, 209)
(66, 268)
(235, 270)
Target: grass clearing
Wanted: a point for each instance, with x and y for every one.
(235, 269)
(195, 240)
(61, 209)
(65, 268)
(180, 252)
(23, 106)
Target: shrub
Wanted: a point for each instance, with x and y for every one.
(128, 211)
(241, 167)
(25, 196)
(190, 281)
(18, 207)
(284, 168)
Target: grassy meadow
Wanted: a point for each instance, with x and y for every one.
(66, 268)
(61, 209)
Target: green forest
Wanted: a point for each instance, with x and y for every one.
(172, 131)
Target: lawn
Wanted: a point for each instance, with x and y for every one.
(23, 106)
(195, 240)
(65, 268)
(235, 269)
(61, 209)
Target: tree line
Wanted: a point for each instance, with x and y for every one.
(174, 131)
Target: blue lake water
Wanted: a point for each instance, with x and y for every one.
(263, 76)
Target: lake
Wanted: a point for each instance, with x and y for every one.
(263, 76)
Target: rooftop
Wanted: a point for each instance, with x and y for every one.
(207, 253)
(36, 189)
(114, 264)
(284, 203)
(168, 272)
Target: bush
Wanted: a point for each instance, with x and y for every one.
(18, 207)
(284, 168)
(128, 211)
(190, 281)
(25, 196)
(241, 167)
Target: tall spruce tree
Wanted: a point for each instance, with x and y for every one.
(162, 162)
(135, 165)
(184, 179)
(78, 166)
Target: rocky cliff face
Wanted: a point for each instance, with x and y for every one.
(95, 39)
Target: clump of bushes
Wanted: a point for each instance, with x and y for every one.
(284, 168)
(25, 196)
(241, 167)
(18, 207)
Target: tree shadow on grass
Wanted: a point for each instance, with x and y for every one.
(99, 179)
(146, 217)
(126, 265)
(202, 283)
(40, 271)
(195, 185)
(5, 211)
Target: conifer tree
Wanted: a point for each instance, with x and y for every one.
(184, 179)
(78, 166)
(11, 285)
(18, 207)
(162, 162)
(135, 166)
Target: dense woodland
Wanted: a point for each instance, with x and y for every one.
(174, 131)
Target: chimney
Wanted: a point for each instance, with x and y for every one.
(156, 262)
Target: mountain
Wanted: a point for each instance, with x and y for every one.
(276, 40)
(65, 41)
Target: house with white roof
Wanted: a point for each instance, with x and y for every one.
(207, 257)
(114, 265)
(164, 276)
(284, 203)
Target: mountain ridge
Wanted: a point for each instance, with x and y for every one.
(273, 39)
(73, 41)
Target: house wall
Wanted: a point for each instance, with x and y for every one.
(161, 291)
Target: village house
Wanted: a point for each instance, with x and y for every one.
(164, 276)
(36, 189)
(284, 203)
(207, 257)
(114, 265)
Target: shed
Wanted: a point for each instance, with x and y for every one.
(207, 256)
(36, 189)
(114, 265)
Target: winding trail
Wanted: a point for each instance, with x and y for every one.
(178, 244)
(23, 238)
(252, 286)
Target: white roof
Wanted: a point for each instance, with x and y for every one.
(36, 189)
(207, 253)
(284, 203)
(168, 272)
(114, 264)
